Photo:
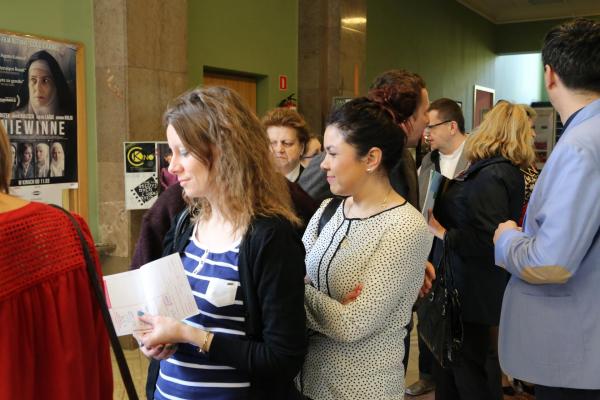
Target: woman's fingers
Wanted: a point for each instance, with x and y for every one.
(352, 295)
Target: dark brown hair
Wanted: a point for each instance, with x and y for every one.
(401, 90)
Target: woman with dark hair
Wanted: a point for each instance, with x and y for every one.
(242, 256)
(375, 239)
(55, 338)
(44, 89)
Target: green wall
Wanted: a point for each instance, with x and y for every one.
(258, 37)
(524, 37)
(70, 20)
(451, 47)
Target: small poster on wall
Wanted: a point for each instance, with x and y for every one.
(483, 101)
(146, 173)
(38, 108)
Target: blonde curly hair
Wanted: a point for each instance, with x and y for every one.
(505, 131)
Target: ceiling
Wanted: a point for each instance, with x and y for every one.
(507, 11)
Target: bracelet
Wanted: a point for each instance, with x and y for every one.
(202, 348)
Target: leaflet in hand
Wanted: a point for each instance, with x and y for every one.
(158, 288)
(435, 180)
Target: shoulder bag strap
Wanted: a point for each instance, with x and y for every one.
(328, 212)
(99, 293)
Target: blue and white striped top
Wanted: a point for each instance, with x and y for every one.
(215, 282)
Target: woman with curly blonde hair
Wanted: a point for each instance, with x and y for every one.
(489, 191)
(242, 256)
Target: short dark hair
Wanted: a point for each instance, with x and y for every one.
(449, 110)
(572, 50)
(399, 88)
(366, 124)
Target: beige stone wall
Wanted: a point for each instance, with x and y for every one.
(141, 64)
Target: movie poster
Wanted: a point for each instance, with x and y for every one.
(38, 108)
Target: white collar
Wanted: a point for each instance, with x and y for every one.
(293, 175)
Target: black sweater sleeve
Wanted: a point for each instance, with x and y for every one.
(491, 201)
(277, 274)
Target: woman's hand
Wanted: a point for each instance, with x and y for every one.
(352, 295)
(160, 352)
(158, 330)
(434, 226)
(428, 280)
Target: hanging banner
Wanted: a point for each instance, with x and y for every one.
(38, 109)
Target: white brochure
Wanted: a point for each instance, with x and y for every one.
(159, 288)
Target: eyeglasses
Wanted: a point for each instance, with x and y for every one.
(428, 128)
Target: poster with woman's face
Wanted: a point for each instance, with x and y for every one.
(38, 108)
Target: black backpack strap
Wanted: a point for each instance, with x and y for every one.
(328, 212)
(99, 294)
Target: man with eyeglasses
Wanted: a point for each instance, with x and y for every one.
(446, 137)
(445, 133)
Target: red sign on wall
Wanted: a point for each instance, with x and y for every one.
(282, 82)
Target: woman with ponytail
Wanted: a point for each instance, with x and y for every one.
(375, 243)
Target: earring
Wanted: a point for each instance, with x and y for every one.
(369, 169)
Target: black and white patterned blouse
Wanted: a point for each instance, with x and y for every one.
(356, 350)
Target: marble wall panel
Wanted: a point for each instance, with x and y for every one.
(157, 34)
(110, 32)
(111, 112)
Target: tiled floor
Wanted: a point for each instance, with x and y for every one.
(138, 364)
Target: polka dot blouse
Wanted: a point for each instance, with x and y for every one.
(356, 350)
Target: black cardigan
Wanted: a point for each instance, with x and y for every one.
(489, 192)
(271, 268)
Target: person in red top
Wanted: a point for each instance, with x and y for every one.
(55, 344)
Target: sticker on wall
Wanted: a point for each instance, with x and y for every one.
(141, 175)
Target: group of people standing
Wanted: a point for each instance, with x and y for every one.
(305, 301)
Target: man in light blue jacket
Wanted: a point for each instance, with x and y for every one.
(550, 323)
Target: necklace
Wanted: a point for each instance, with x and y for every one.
(385, 199)
(379, 208)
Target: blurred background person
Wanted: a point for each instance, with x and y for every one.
(57, 160)
(166, 178)
(25, 165)
(44, 89)
(489, 191)
(289, 136)
(242, 256)
(58, 343)
(375, 243)
(42, 160)
(313, 148)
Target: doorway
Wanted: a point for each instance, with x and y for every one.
(244, 85)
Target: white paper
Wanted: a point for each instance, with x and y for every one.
(159, 288)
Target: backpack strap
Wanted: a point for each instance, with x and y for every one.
(328, 212)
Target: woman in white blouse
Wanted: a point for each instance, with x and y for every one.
(376, 240)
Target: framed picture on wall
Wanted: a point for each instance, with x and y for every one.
(42, 107)
(483, 101)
